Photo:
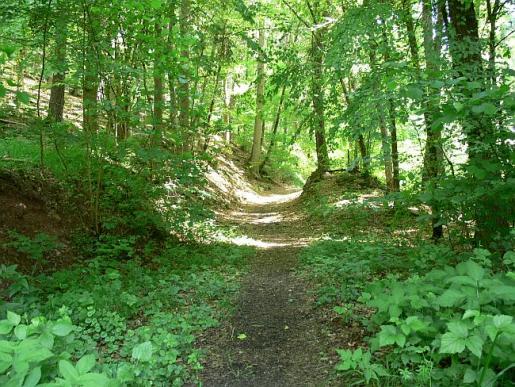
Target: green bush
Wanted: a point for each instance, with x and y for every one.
(35, 354)
(451, 324)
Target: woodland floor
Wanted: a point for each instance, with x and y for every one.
(275, 337)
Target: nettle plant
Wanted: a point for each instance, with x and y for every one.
(34, 354)
(452, 324)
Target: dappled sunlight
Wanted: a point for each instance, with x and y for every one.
(267, 221)
(248, 241)
(281, 241)
(369, 199)
(256, 218)
(251, 197)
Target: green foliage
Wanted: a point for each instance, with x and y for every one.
(36, 248)
(36, 354)
(438, 316)
(456, 318)
(140, 319)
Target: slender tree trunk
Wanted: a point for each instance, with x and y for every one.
(184, 75)
(433, 155)
(361, 140)
(274, 129)
(171, 74)
(90, 87)
(260, 104)
(56, 103)
(385, 136)
(393, 122)
(317, 57)
(228, 105)
(492, 13)
(158, 88)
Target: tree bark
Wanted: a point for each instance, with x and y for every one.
(158, 87)
(396, 186)
(317, 57)
(260, 103)
(274, 129)
(184, 73)
(433, 154)
(478, 128)
(56, 103)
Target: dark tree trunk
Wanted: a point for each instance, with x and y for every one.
(56, 103)
(478, 128)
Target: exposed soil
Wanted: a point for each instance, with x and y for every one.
(284, 343)
(29, 206)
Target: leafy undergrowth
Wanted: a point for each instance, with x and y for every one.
(429, 315)
(138, 318)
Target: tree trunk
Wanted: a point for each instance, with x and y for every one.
(393, 122)
(492, 13)
(317, 57)
(56, 103)
(260, 103)
(89, 95)
(228, 105)
(385, 136)
(274, 129)
(184, 73)
(361, 140)
(171, 74)
(478, 128)
(158, 88)
(433, 155)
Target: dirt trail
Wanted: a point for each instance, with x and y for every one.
(284, 344)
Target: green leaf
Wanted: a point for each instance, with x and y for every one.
(3, 90)
(458, 106)
(450, 298)
(23, 97)
(415, 323)
(13, 318)
(93, 380)
(241, 336)
(389, 335)
(68, 371)
(85, 364)
(62, 328)
(33, 378)
(143, 351)
(414, 92)
(470, 313)
(474, 270)
(502, 321)
(470, 376)
(5, 362)
(452, 343)
(156, 4)
(475, 345)
(5, 327)
(437, 84)
(458, 328)
(20, 332)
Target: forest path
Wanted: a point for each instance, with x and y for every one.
(282, 343)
